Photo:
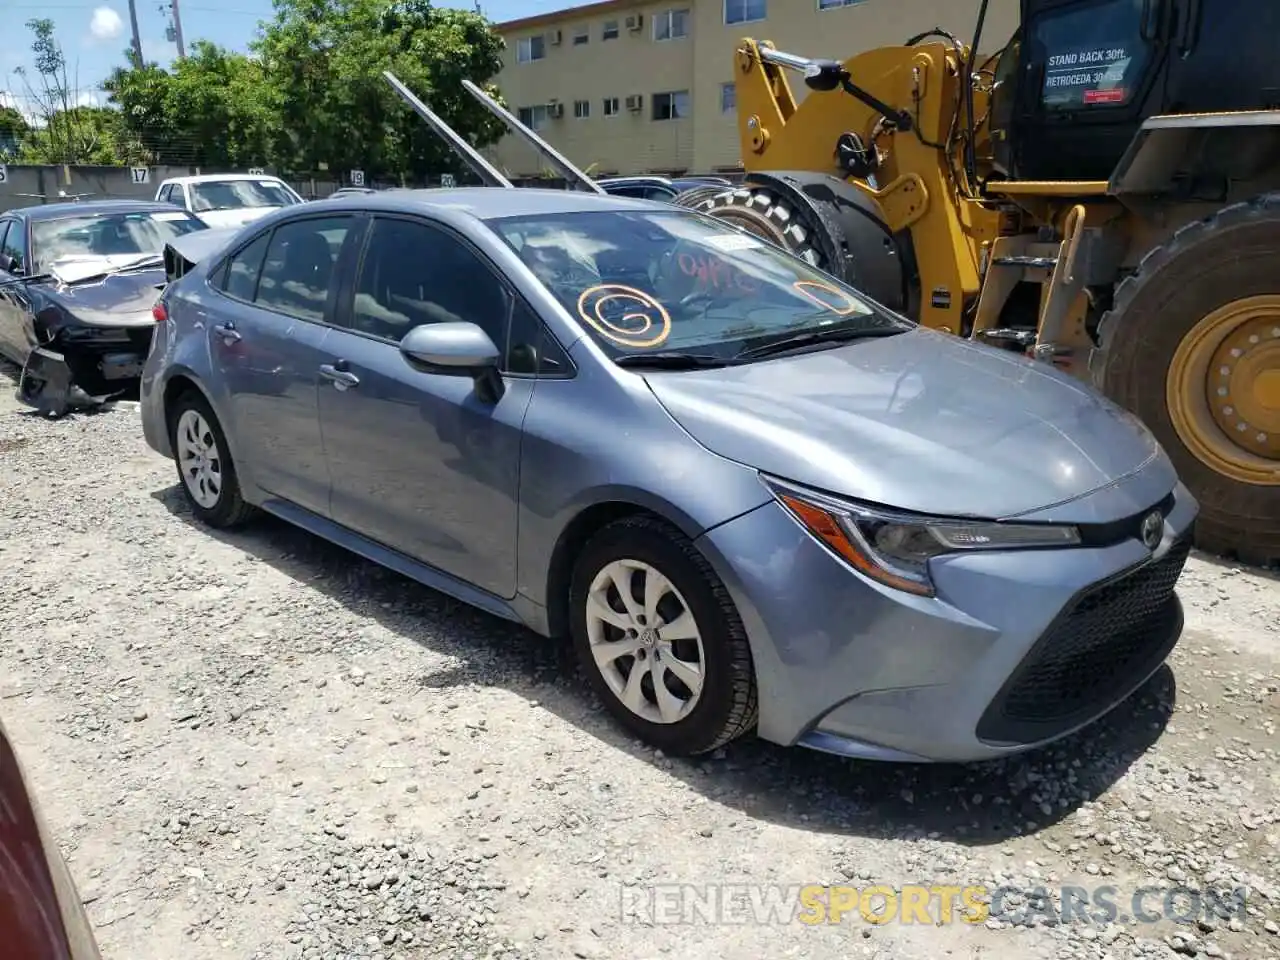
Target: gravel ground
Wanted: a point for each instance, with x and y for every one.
(259, 746)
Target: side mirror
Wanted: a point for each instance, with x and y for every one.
(7, 264)
(462, 349)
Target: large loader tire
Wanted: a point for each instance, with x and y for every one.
(1192, 346)
(762, 212)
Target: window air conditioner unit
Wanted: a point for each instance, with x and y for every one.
(556, 37)
(635, 102)
(635, 22)
(555, 110)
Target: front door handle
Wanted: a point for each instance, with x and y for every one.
(341, 379)
(227, 332)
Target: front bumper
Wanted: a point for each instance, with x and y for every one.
(82, 367)
(1019, 648)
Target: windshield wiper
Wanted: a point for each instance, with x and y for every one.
(34, 278)
(147, 261)
(672, 360)
(808, 338)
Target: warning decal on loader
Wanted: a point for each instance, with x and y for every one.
(1090, 55)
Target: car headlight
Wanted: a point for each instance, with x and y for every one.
(895, 548)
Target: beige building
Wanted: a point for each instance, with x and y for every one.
(627, 86)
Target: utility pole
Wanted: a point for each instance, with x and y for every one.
(137, 40)
(177, 29)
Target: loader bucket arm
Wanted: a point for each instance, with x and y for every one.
(487, 172)
(558, 160)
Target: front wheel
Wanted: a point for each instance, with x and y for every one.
(660, 640)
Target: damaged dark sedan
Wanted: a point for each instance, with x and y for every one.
(77, 284)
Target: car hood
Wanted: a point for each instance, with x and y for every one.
(234, 218)
(123, 300)
(920, 421)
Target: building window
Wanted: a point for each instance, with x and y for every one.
(671, 106)
(671, 24)
(834, 4)
(610, 31)
(610, 106)
(582, 109)
(581, 35)
(529, 49)
(744, 11)
(535, 118)
(728, 98)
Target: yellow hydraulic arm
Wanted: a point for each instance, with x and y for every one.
(918, 184)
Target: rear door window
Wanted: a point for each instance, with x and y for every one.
(1092, 54)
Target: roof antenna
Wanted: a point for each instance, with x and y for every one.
(570, 172)
(482, 168)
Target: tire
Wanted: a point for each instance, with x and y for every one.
(1206, 265)
(765, 214)
(726, 705)
(192, 422)
(693, 197)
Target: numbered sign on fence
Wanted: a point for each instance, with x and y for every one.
(446, 180)
(4, 173)
(140, 175)
(357, 178)
(256, 171)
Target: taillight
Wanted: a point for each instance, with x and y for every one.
(159, 312)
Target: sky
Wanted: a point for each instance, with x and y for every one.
(95, 33)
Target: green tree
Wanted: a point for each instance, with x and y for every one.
(64, 131)
(149, 133)
(215, 109)
(323, 60)
(13, 131)
(89, 135)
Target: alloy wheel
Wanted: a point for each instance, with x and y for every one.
(198, 459)
(645, 641)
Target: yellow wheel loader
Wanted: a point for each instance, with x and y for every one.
(1102, 194)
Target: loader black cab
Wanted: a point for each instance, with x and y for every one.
(1081, 76)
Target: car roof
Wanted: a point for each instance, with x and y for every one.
(56, 211)
(488, 203)
(207, 177)
(620, 181)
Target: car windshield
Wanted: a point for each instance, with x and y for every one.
(114, 235)
(643, 282)
(237, 194)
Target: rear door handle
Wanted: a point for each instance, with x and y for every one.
(227, 332)
(341, 379)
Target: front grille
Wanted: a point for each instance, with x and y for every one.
(1130, 528)
(1110, 636)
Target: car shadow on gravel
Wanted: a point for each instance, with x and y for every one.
(972, 804)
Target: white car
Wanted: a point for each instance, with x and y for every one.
(228, 199)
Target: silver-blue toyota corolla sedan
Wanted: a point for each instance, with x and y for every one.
(751, 497)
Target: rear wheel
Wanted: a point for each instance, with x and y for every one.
(205, 468)
(1192, 347)
(659, 638)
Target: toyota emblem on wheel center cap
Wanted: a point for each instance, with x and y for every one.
(1152, 529)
